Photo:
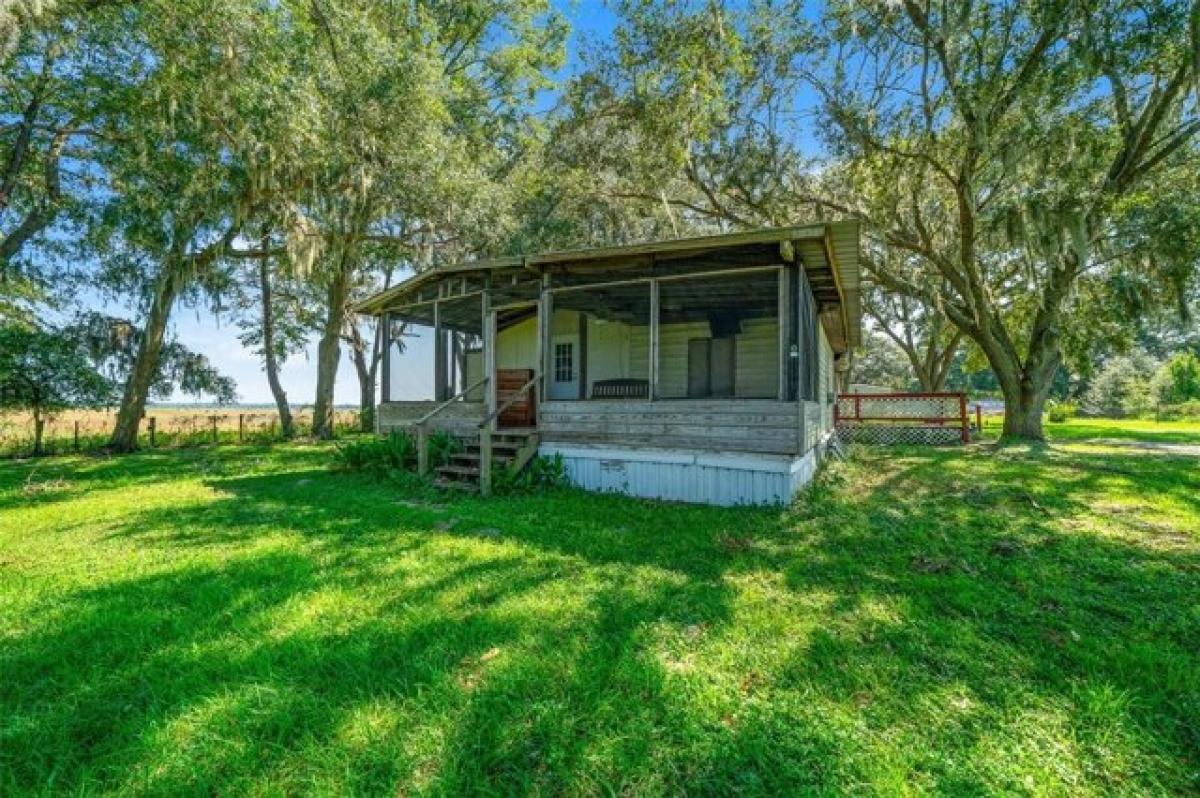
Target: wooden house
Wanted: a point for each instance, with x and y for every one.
(698, 369)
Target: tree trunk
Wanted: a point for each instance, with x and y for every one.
(1025, 383)
(145, 365)
(39, 426)
(366, 404)
(329, 349)
(1023, 416)
(270, 361)
(366, 390)
(366, 376)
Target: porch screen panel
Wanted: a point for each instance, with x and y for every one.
(411, 357)
(461, 322)
(599, 342)
(718, 337)
(810, 343)
(435, 349)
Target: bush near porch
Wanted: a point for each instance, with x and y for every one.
(246, 620)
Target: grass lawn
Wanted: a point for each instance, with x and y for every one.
(244, 621)
(1100, 429)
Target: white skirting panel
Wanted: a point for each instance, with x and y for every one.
(687, 476)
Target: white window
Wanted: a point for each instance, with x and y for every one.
(564, 362)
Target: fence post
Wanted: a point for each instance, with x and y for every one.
(76, 443)
(153, 425)
(979, 418)
(213, 419)
(241, 427)
(962, 411)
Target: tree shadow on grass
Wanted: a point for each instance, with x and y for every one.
(323, 632)
(304, 605)
(343, 508)
(203, 678)
(991, 590)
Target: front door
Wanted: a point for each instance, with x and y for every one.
(564, 367)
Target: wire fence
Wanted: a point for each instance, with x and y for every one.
(89, 431)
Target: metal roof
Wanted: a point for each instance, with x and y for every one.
(829, 252)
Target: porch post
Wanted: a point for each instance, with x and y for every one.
(385, 390)
(652, 394)
(545, 327)
(439, 354)
(784, 338)
(489, 390)
(801, 322)
(453, 364)
(489, 349)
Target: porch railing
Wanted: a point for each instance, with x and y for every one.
(422, 424)
(487, 428)
(885, 418)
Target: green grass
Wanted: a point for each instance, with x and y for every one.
(1086, 429)
(244, 621)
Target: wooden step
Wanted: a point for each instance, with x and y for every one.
(466, 471)
(455, 484)
(462, 470)
(511, 446)
(472, 458)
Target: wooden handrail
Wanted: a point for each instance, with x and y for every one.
(420, 421)
(511, 400)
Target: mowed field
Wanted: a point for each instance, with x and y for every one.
(243, 620)
(173, 426)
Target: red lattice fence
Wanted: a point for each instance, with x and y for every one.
(888, 418)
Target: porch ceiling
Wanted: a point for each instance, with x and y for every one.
(828, 252)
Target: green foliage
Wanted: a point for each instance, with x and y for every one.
(999, 154)
(113, 345)
(1177, 380)
(1058, 412)
(882, 362)
(541, 473)
(378, 455)
(43, 370)
(1183, 411)
(1121, 387)
(442, 444)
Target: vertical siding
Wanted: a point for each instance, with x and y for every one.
(638, 354)
(814, 424)
(758, 359)
(608, 350)
(564, 322)
(826, 382)
(516, 346)
(756, 356)
(683, 476)
(673, 357)
(472, 373)
(617, 350)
